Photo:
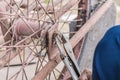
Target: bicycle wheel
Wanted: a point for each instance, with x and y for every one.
(27, 48)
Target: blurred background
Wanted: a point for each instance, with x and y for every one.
(117, 3)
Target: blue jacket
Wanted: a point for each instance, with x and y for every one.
(106, 61)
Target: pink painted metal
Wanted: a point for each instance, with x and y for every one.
(26, 28)
(30, 28)
(20, 30)
(74, 40)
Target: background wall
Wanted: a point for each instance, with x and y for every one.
(117, 3)
(93, 37)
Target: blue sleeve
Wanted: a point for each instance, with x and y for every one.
(106, 61)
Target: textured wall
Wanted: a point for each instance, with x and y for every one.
(93, 37)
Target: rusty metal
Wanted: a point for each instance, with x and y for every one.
(23, 25)
(83, 16)
(5, 59)
(4, 22)
(22, 28)
(50, 36)
(74, 40)
(59, 14)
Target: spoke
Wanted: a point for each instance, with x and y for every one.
(37, 54)
(38, 16)
(54, 75)
(65, 20)
(45, 11)
(8, 69)
(37, 66)
(18, 7)
(14, 76)
(24, 72)
(24, 65)
(23, 61)
(31, 47)
(41, 63)
(49, 76)
(53, 10)
(9, 58)
(38, 41)
(22, 19)
(27, 8)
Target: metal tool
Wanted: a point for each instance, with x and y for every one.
(67, 55)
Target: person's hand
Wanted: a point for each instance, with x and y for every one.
(86, 75)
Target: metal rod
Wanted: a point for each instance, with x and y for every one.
(74, 40)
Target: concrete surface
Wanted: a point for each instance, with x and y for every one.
(95, 34)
